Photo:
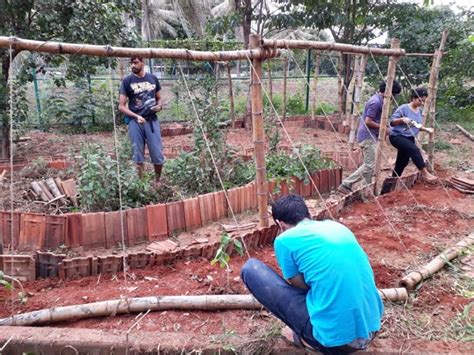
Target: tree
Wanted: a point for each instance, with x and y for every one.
(348, 21)
(79, 21)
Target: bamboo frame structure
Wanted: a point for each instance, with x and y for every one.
(340, 83)
(155, 303)
(20, 44)
(350, 91)
(317, 64)
(270, 82)
(412, 279)
(259, 135)
(392, 66)
(358, 87)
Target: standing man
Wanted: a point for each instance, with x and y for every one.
(142, 91)
(327, 296)
(367, 136)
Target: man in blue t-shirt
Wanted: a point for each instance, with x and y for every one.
(327, 295)
(367, 135)
(142, 91)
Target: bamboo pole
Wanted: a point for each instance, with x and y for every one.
(350, 91)
(259, 134)
(465, 132)
(340, 86)
(231, 96)
(412, 279)
(317, 64)
(432, 93)
(330, 46)
(392, 66)
(154, 303)
(285, 75)
(109, 51)
(270, 82)
(359, 84)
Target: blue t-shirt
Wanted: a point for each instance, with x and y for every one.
(141, 93)
(343, 301)
(403, 129)
(373, 109)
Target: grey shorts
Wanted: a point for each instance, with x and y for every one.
(140, 134)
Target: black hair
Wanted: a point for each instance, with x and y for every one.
(136, 57)
(396, 87)
(418, 92)
(290, 209)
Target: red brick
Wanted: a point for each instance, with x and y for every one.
(157, 222)
(74, 230)
(192, 213)
(93, 230)
(22, 267)
(175, 216)
(32, 231)
(10, 235)
(221, 204)
(207, 208)
(56, 229)
(136, 225)
(113, 229)
(324, 179)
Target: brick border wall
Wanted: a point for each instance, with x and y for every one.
(46, 264)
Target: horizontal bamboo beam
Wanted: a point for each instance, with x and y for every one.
(109, 51)
(156, 303)
(329, 46)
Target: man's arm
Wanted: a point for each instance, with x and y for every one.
(298, 281)
(157, 107)
(123, 107)
(371, 123)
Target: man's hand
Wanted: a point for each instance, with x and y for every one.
(427, 129)
(406, 120)
(157, 108)
(140, 119)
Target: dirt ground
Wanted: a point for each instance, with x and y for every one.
(400, 232)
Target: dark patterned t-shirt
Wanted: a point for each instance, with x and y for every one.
(141, 93)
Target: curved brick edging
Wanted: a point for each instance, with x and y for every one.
(46, 264)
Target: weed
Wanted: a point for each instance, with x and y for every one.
(441, 145)
(222, 257)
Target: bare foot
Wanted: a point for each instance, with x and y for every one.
(156, 184)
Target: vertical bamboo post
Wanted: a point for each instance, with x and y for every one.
(231, 95)
(285, 74)
(350, 90)
(359, 83)
(432, 92)
(387, 98)
(258, 134)
(340, 86)
(216, 87)
(317, 63)
(270, 83)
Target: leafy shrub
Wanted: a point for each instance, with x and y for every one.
(325, 108)
(295, 105)
(99, 185)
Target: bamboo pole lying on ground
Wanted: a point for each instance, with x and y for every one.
(412, 279)
(465, 132)
(156, 303)
(109, 51)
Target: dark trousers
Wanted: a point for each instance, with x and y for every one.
(285, 301)
(406, 149)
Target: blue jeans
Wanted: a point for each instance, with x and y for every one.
(286, 302)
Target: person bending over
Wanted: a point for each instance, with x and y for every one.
(405, 124)
(327, 296)
(142, 91)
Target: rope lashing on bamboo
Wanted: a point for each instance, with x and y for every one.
(412, 279)
(108, 51)
(155, 303)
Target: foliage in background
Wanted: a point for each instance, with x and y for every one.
(20, 107)
(99, 185)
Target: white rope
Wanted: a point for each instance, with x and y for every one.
(208, 146)
(296, 151)
(116, 144)
(12, 222)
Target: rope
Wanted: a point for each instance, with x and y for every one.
(122, 230)
(208, 146)
(10, 77)
(291, 142)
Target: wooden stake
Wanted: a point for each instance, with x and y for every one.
(432, 92)
(231, 96)
(412, 279)
(392, 66)
(259, 134)
(285, 74)
(359, 84)
(350, 91)
(340, 86)
(317, 64)
(270, 83)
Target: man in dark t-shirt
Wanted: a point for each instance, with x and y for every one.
(142, 91)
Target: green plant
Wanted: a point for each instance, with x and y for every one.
(8, 285)
(295, 105)
(325, 108)
(442, 145)
(222, 257)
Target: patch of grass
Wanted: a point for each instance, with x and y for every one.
(462, 327)
(442, 145)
